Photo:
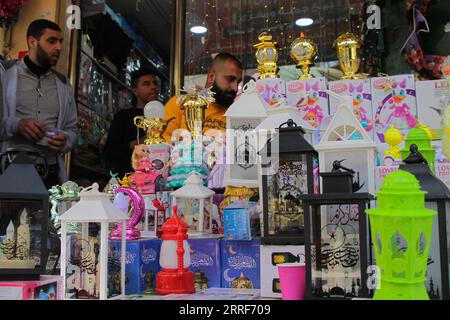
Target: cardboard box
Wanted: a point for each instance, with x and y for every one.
(443, 172)
(381, 173)
(160, 156)
(47, 288)
(361, 92)
(241, 220)
(142, 264)
(393, 103)
(205, 262)
(241, 264)
(272, 90)
(432, 99)
(271, 256)
(311, 99)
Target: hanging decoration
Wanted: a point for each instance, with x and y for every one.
(9, 11)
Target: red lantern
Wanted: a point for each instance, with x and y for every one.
(175, 259)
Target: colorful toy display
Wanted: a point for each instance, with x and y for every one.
(360, 91)
(394, 103)
(311, 100)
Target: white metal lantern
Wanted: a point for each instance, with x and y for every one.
(243, 117)
(345, 138)
(194, 202)
(90, 270)
(276, 116)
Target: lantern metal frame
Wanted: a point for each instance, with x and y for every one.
(290, 150)
(95, 208)
(313, 232)
(21, 182)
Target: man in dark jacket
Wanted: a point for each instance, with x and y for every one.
(122, 136)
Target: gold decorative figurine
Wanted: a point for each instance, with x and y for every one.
(347, 46)
(303, 52)
(194, 103)
(267, 56)
(154, 127)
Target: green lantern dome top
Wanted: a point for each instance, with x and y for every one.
(400, 196)
(401, 181)
(417, 134)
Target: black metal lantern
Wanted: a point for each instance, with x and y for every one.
(436, 198)
(24, 216)
(289, 169)
(337, 238)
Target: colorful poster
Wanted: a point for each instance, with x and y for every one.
(394, 103)
(361, 92)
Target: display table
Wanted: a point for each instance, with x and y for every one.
(207, 294)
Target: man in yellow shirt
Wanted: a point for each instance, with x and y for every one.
(224, 77)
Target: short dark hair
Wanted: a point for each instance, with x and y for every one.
(224, 56)
(142, 72)
(37, 27)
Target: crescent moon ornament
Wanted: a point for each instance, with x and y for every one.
(132, 233)
(226, 276)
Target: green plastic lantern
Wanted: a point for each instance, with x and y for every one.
(422, 140)
(401, 232)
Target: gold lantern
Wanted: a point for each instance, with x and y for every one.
(194, 103)
(348, 46)
(303, 52)
(267, 56)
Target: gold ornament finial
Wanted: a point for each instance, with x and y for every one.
(303, 52)
(267, 56)
(194, 103)
(348, 46)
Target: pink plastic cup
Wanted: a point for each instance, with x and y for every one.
(292, 281)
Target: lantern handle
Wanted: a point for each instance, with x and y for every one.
(290, 124)
(250, 87)
(94, 188)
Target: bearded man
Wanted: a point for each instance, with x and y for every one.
(37, 105)
(223, 78)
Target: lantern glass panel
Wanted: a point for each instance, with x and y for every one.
(285, 210)
(83, 270)
(316, 177)
(434, 280)
(353, 159)
(245, 142)
(21, 234)
(335, 251)
(189, 211)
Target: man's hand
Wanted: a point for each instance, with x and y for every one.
(58, 142)
(31, 129)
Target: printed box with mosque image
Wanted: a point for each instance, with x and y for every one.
(205, 262)
(241, 264)
(141, 264)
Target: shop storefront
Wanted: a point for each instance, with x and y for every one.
(241, 149)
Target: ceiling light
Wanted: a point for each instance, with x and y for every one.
(199, 29)
(304, 22)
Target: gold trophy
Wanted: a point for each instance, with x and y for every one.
(152, 123)
(347, 46)
(194, 103)
(267, 56)
(303, 52)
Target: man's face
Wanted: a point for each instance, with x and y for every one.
(147, 89)
(226, 82)
(47, 49)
